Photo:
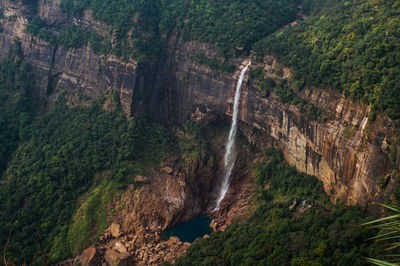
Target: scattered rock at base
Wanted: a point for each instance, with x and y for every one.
(174, 239)
(119, 247)
(142, 179)
(213, 225)
(223, 228)
(115, 258)
(87, 256)
(168, 170)
(115, 230)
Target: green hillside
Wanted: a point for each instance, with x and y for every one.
(352, 47)
(56, 162)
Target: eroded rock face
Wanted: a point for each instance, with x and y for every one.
(79, 73)
(348, 153)
(134, 236)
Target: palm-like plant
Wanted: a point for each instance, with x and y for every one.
(389, 231)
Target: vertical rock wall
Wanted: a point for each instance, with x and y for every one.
(348, 153)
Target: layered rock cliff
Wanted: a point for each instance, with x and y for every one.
(79, 73)
(348, 153)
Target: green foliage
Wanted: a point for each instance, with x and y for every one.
(123, 15)
(15, 103)
(229, 24)
(70, 37)
(201, 58)
(277, 235)
(32, 4)
(73, 37)
(39, 28)
(90, 220)
(287, 94)
(55, 164)
(389, 232)
(193, 145)
(284, 180)
(351, 47)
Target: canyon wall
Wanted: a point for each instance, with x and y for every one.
(79, 74)
(348, 152)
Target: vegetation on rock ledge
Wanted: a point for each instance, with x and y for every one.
(352, 47)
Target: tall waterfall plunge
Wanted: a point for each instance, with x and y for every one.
(230, 155)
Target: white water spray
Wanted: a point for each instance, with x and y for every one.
(230, 155)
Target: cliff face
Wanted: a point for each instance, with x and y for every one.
(79, 73)
(348, 152)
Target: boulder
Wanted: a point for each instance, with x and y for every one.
(213, 225)
(168, 170)
(174, 240)
(114, 230)
(119, 247)
(115, 258)
(87, 256)
(142, 179)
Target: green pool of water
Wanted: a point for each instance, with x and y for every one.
(190, 230)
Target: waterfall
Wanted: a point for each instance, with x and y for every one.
(230, 155)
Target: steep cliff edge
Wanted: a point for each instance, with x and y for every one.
(79, 73)
(349, 153)
(352, 154)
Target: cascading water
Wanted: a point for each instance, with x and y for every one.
(230, 155)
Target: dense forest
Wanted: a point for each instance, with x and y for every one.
(315, 232)
(138, 25)
(55, 160)
(347, 46)
(15, 102)
(352, 47)
(230, 24)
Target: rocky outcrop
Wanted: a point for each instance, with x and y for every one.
(347, 153)
(163, 200)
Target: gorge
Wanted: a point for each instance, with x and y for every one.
(137, 112)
